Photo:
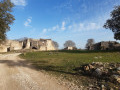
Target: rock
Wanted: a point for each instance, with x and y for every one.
(118, 68)
(105, 71)
(118, 72)
(97, 72)
(91, 66)
(101, 68)
(111, 89)
(103, 87)
(86, 68)
(96, 57)
(115, 78)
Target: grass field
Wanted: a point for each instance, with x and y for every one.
(65, 62)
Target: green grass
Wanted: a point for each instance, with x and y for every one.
(65, 62)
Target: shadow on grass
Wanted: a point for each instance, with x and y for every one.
(57, 69)
(38, 65)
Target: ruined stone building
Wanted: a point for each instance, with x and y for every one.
(105, 45)
(38, 44)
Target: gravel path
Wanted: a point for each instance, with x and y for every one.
(17, 75)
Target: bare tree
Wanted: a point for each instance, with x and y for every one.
(56, 45)
(89, 43)
(69, 43)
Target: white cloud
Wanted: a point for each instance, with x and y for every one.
(75, 27)
(63, 26)
(84, 26)
(55, 27)
(44, 30)
(28, 21)
(19, 2)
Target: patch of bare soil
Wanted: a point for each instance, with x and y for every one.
(15, 74)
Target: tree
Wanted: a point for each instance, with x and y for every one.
(69, 43)
(89, 43)
(6, 18)
(56, 45)
(114, 22)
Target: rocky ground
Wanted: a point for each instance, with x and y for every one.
(106, 74)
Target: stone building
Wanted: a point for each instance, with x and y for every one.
(105, 45)
(70, 48)
(38, 44)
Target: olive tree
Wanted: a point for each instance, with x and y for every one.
(6, 18)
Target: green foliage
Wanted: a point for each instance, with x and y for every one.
(114, 22)
(6, 18)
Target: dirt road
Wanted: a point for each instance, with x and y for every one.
(17, 75)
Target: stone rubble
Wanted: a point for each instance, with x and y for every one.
(109, 72)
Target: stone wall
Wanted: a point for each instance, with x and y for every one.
(43, 48)
(27, 44)
(3, 48)
(50, 45)
(14, 45)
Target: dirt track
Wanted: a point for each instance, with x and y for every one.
(16, 75)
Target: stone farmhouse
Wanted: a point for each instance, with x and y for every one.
(105, 45)
(38, 44)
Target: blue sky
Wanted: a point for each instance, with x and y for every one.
(62, 20)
